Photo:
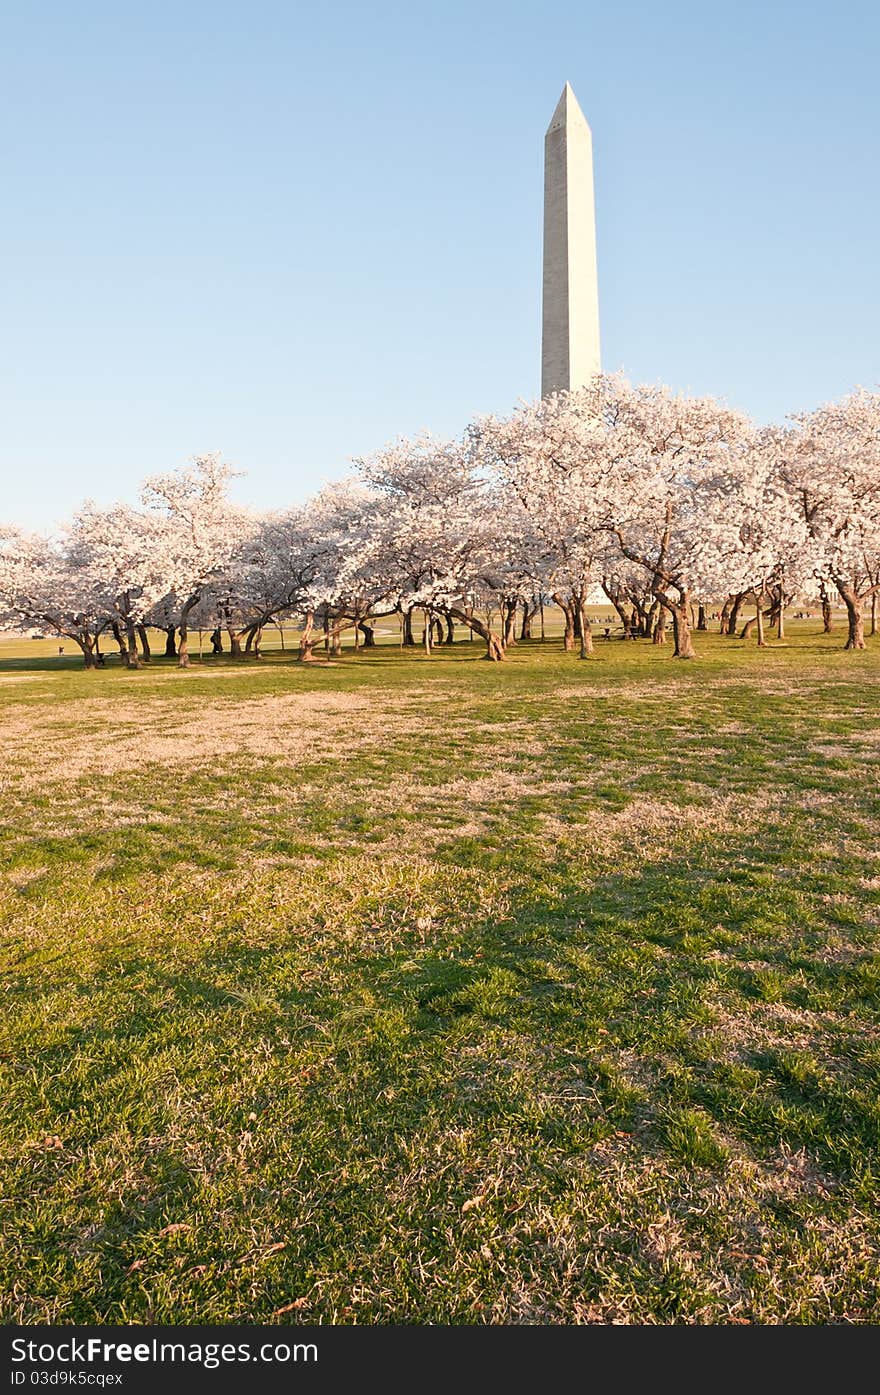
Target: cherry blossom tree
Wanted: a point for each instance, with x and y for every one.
(332, 564)
(42, 585)
(771, 560)
(552, 456)
(831, 462)
(202, 530)
(124, 551)
(273, 572)
(437, 540)
(613, 474)
(629, 590)
(673, 494)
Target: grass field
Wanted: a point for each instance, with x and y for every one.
(428, 990)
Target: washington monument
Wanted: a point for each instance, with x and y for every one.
(570, 336)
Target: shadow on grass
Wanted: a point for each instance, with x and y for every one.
(681, 1014)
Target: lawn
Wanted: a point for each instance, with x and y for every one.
(409, 989)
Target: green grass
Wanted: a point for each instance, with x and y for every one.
(428, 990)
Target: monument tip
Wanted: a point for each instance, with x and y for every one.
(567, 109)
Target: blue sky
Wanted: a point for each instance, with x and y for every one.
(290, 232)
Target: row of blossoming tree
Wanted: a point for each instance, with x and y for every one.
(670, 504)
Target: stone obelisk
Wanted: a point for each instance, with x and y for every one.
(570, 338)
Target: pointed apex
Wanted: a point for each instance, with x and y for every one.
(567, 111)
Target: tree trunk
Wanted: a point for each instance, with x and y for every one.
(759, 620)
(681, 630)
(873, 612)
(306, 639)
(87, 645)
(450, 630)
(627, 619)
(659, 635)
(508, 622)
(780, 619)
(368, 633)
(585, 628)
(724, 618)
(170, 646)
(681, 625)
(131, 650)
(568, 636)
(746, 631)
(183, 645)
(526, 627)
(408, 637)
(733, 617)
(827, 617)
(494, 646)
(855, 638)
(117, 635)
(623, 614)
(145, 643)
(234, 645)
(309, 637)
(702, 623)
(183, 632)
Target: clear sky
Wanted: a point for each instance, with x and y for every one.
(290, 232)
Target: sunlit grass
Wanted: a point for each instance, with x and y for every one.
(416, 989)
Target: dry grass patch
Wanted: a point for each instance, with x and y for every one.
(111, 738)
